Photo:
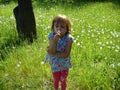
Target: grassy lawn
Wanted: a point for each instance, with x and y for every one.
(95, 52)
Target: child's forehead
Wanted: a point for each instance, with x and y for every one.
(60, 22)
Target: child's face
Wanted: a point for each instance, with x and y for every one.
(60, 28)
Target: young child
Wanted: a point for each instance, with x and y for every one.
(60, 44)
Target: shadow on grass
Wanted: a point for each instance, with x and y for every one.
(9, 45)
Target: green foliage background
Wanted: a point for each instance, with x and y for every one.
(63, 1)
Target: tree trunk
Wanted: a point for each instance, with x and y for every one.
(25, 20)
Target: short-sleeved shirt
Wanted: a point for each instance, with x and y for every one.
(58, 64)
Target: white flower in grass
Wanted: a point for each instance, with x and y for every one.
(19, 62)
(107, 42)
(103, 45)
(117, 46)
(75, 41)
(89, 31)
(93, 35)
(23, 86)
(13, 47)
(99, 43)
(44, 40)
(113, 47)
(102, 32)
(37, 24)
(18, 65)
(117, 35)
(6, 74)
(112, 65)
(105, 38)
(109, 47)
(98, 33)
(82, 35)
(116, 50)
(100, 48)
(42, 62)
(103, 20)
(73, 30)
(96, 39)
(83, 31)
(105, 58)
(12, 17)
(111, 42)
(118, 64)
(119, 79)
(78, 44)
(78, 36)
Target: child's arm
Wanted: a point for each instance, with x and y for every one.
(52, 45)
(66, 53)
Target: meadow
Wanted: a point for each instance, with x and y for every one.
(95, 52)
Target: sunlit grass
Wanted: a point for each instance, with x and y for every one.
(95, 52)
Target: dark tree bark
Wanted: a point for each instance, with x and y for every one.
(25, 20)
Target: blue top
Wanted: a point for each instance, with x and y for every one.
(58, 64)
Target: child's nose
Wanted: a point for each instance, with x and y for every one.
(59, 28)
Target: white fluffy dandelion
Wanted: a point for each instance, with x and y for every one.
(78, 44)
(118, 64)
(116, 50)
(42, 62)
(18, 65)
(112, 65)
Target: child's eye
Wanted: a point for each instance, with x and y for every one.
(62, 26)
(56, 26)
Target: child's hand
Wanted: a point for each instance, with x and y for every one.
(56, 37)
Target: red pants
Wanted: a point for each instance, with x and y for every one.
(60, 76)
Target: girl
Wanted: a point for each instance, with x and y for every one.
(60, 44)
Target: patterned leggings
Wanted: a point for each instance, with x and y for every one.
(60, 76)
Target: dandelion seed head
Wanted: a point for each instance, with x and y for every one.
(18, 65)
(100, 48)
(19, 62)
(111, 42)
(78, 44)
(118, 64)
(6, 74)
(42, 63)
(102, 32)
(109, 47)
(99, 43)
(93, 35)
(107, 42)
(78, 36)
(88, 30)
(44, 40)
(119, 79)
(112, 65)
(103, 44)
(83, 31)
(116, 50)
(105, 58)
(75, 41)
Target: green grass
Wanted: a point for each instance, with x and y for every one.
(95, 52)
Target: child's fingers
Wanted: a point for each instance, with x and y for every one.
(56, 37)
